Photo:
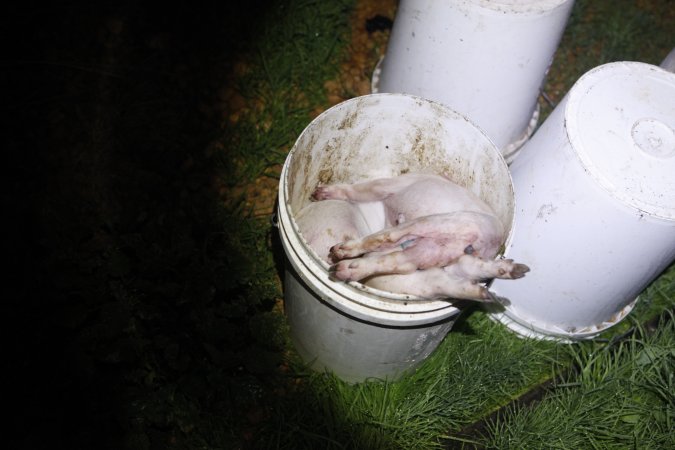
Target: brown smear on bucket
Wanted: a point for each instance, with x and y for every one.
(325, 176)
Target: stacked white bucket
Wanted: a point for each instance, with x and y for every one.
(486, 59)
(350, 329)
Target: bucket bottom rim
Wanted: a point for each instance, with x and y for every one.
(526, 329)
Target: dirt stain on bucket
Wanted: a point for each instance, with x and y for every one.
(325, 175)
(546, 210)
(349, 120)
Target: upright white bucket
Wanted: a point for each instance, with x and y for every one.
(486, 59)
(595, 196)
(350, 329)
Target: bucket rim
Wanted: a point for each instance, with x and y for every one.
(535, 329)
(493, 148)
(520, 6)
(354, 296)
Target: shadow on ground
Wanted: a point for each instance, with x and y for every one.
(128, 326)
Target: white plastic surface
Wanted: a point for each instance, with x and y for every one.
(621, 121)
(353, 330)
(595, 196)
(485, 59)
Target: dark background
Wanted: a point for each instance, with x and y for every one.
(109, 108)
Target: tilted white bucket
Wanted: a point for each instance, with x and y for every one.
(485, 59)
(595, 195)
(352, 330)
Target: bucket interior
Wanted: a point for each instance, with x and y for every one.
(385, 135)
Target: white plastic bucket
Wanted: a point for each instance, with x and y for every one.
(595, 196)
(350, 329)
(485, 59)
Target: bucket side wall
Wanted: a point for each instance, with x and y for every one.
(354, 350)
(486, 64)
(590, 255)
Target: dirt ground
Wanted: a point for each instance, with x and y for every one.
(364, 51)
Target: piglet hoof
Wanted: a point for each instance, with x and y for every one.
(519, 271)
(343, 250)
(344, 271)
(325, 193)
(335, 253)
(509, 270)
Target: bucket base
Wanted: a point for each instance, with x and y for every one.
(526, 329)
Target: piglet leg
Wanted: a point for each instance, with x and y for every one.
(397, 262)
(473, 268)
(366, 191)
(418, 253)
(481, 230)
(434, 283)
(460, 280)
(463, 289)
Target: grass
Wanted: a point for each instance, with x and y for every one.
(603, 31)
(292, 57)
(478, 369)
(145, 304)
(464, 379)
(620, 396)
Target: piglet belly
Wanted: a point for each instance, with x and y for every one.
(433, 195)
(326, 223)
